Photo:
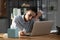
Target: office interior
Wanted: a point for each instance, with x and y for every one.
(11, 8)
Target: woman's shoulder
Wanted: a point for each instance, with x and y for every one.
(18, 17)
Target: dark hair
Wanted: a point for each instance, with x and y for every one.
(34, 9)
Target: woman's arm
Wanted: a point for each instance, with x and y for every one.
(39, 14)
(16, 24)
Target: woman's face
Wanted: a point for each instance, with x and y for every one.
(29, 15)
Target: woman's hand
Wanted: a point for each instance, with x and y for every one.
(21, 33)
(38, 14)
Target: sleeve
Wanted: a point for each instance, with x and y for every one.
(16, 24)
(31, 25)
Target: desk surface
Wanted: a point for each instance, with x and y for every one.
(43, 37)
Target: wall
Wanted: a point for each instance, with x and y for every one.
(51, 14)
(58, 14)
(3, 25)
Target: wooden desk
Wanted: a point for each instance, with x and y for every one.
(44, 37)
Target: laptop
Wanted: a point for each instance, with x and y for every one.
(41, 28)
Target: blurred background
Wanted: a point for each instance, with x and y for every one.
(11, 8)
